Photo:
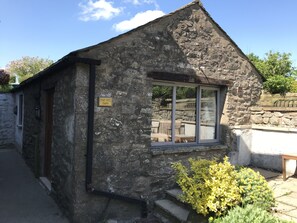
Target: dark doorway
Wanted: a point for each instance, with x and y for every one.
(49, 101)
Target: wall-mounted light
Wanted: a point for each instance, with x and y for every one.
(37, 112)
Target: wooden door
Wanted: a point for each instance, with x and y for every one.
(49, 101)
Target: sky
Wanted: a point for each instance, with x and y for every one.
(53, 28)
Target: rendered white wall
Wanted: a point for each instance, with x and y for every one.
(268, 144)
(263, 147)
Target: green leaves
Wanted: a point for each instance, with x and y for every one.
(274, 64)
(254, 189)
(212, 187)
(278, 70)
(27, 67)
(248, 214)
(279, 84)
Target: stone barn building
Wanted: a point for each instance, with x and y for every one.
(103, 125)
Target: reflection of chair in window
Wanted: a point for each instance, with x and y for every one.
(165, 126)
(155, 126)
(178, 127)
(159, 130)
(159, 137)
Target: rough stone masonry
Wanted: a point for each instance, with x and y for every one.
(185, 47)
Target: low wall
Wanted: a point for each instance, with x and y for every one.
(262, 146)
(268, 100)
(274, 116)
(7, 120)
(269, 143)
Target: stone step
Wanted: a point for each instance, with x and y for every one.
(174, 196)
(174, 193)
(169, 211)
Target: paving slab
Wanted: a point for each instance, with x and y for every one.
(288, 200)
(285, 193)
(22, 198)
(285, 217)
(267, 173)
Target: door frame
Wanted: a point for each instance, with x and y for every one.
(48, 132)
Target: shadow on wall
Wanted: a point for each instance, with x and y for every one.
(273, 162)
(250, 149)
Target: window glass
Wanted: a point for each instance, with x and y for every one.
(162, 113)
(181, 115)
(208, 114)
(185, 115)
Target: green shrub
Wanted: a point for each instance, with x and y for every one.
(294, 87)
(248, 214)
(254, 188)
(278, 84)
(209, 187)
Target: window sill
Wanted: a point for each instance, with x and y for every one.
(162, 150)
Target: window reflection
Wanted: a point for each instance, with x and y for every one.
(175, 114)
(162, 114)
(208, 111)
(185, 115)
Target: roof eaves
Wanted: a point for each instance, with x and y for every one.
(64, 62)
(60, 64)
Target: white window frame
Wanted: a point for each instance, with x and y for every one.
(199, 88)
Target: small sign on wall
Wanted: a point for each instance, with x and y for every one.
(104, 102)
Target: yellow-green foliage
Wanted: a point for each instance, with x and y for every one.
(210, 187)
(248, 214)
(254, 189)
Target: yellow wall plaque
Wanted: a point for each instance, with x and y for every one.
(105, 102)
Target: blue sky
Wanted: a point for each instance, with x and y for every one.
(53, 28)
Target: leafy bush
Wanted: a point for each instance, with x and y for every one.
(250, 214)
(4, 77)
(214, 188)
(294, 87)
(209, 187)
(5, 88)
(254, 189)
(278, 84)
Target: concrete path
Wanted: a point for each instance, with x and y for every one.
(285, 193)
(22, 198)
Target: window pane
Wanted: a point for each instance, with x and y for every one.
(162, 114)
(185, 115)
(208, 113)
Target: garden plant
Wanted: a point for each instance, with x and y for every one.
(222, 191)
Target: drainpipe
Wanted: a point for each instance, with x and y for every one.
(89, 155)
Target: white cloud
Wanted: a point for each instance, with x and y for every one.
(96, 10)
(139, 2)
(139, 19)
(134, 2)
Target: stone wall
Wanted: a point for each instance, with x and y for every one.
(7, 120)
(124, 161)
(268, 100)
(31, 127)
(62, 158)
(274, 117)
(186, 47)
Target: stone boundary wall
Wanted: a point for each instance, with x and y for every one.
(7, 120)
(274, 117)
(267, 99)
